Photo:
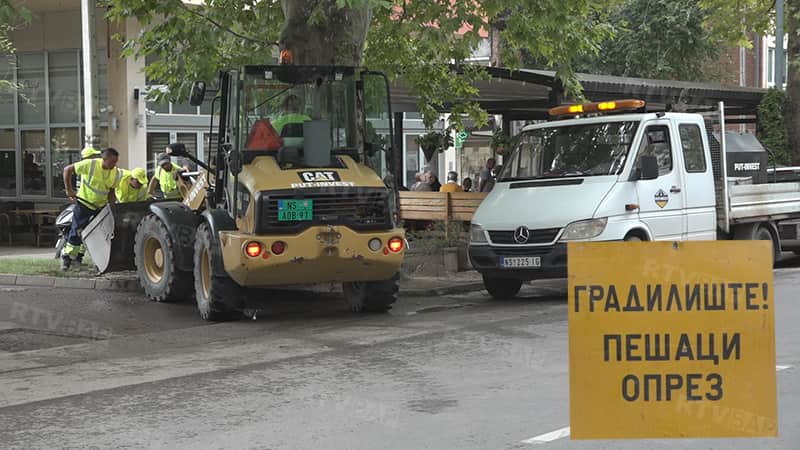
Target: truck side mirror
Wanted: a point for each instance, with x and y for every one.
(198, 93)
(648, 167)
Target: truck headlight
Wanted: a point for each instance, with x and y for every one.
(584, 229)
(477, 235)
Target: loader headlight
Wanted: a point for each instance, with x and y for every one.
(584, 229)
(477, 235)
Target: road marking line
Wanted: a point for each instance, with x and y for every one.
(548, 437)
(779, 368)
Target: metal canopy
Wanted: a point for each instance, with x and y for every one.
(527, 94)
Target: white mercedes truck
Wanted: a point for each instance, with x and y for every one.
(609, 171)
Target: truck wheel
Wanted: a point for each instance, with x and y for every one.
(502, 288)
(155, 263)
(763, 234)
(215, 293)
(371, 296)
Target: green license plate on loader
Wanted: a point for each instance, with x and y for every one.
(295, 210)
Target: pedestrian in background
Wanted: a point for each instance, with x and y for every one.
(486, 177)
(434, 182)
(452, 183)
(422, 183)
(467, 184)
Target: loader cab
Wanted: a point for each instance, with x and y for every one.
(304, 117)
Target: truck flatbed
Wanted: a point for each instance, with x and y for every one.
(761, 202)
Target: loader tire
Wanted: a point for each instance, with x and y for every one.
(371, 296)
(155, 263)
(216, 294)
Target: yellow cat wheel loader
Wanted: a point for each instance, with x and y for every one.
(298, 192)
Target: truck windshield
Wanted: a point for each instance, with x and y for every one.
(574, 150)
(287, 103)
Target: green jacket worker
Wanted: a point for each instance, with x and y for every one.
(166, 177)
(291, 112)
(133, 186)
(99, 178)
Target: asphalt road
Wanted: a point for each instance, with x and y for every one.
(111, 370)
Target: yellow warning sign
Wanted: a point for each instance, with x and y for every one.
(671, 340)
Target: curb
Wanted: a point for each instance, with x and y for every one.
(70, 283)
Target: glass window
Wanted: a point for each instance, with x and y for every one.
(694, 156)
(771, 65)
(31, 77)
(156, 143)
(655, 142)
(7, 65)
(412, 159)
(158, 107)
(413, 116)
(190, 141)
(210, 148)
(326, 94)
(594, 149)
(34, 162)
(184, 108)
(65, 103)
(65, 150)
(8, 164)
(205, 107)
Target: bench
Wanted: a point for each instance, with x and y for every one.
(443, 206)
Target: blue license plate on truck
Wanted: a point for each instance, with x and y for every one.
(519, 262)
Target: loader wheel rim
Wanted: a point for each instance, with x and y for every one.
(153, 260)
(205, 273)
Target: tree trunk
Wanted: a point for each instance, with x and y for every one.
(317, 32)
(792, 107)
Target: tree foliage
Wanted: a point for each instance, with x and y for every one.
(771, 126)
(415, 40)
(665, 39)
(12, 16)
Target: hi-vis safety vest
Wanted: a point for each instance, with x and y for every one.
(96, 182)
(127, 194)
(167, 182)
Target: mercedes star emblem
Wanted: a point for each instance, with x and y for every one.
(522, 234)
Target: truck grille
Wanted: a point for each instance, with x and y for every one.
(364, 209)
(541, 236)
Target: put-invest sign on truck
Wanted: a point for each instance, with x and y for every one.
(638, 176)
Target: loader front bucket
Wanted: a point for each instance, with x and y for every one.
(109, 237)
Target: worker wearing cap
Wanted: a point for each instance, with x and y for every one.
(90, 152)
(132, 186)
(166, 177)
(99, 178)
(86, 153)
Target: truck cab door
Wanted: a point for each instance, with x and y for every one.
(661, 200)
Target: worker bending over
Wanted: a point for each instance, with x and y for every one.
(166, 177)
(132, 186)
(99, 178)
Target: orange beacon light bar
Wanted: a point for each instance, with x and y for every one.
(596, 107)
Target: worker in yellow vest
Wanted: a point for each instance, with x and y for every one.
(132, 186)
(99, 178)
(166, 177)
